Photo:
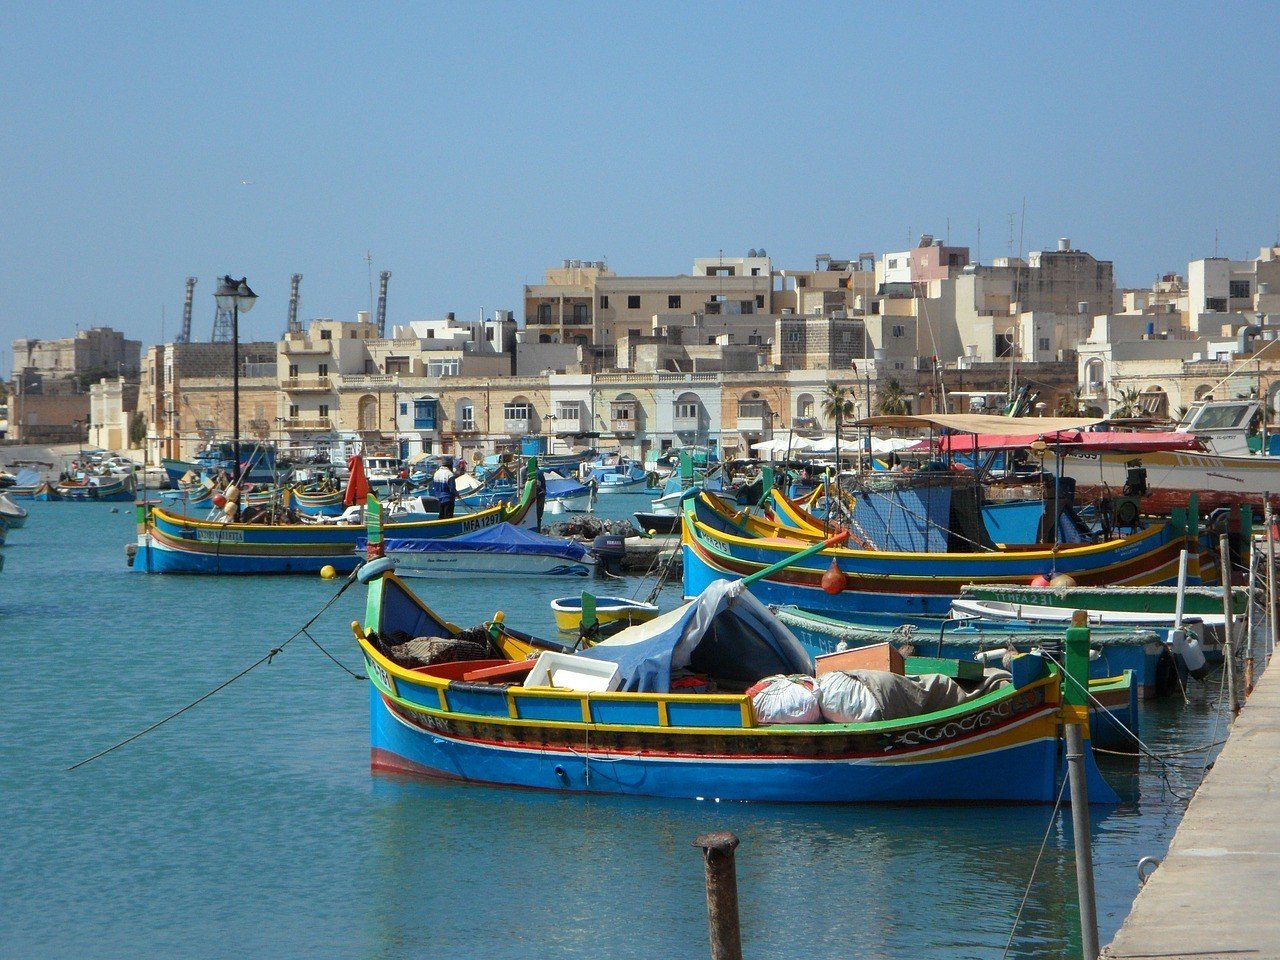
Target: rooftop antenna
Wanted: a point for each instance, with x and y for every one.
(368, 259)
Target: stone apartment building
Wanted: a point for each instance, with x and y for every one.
(50, 400)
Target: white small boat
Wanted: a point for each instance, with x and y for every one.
(967, 608)
(11, 514)
(383, 472)
(618, 475)
(502, 550)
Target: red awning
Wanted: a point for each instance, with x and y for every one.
(1076, 440)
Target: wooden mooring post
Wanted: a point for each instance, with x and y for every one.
(722, 894)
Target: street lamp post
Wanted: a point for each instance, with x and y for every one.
(235, 296)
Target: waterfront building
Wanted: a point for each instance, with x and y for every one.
(113, 403)
(50, 400)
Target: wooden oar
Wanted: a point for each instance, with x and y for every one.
(836, 540)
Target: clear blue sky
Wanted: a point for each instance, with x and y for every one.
(470, 148)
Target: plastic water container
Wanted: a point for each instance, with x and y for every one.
(564, 671)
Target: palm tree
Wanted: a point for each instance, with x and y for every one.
(837, 406)
(1071, 404)
(893, 400)
(1128, 404)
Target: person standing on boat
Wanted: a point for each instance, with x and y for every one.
(444, 487)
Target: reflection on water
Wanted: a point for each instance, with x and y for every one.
(252, 826)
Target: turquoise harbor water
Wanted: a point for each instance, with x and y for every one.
(251, 826)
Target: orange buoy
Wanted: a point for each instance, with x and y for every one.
(834, 580)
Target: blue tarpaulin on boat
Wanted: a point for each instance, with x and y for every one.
(726, 634)
(500, 538)
(26, 477)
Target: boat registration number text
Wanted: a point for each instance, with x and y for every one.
(384, 678)
(220, 536)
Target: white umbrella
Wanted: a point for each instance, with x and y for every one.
(825, 445)
(782, 444)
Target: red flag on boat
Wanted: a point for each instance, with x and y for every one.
(357, 482)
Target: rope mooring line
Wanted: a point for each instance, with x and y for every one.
(265, 658)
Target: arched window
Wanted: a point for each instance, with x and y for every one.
(465, 414)
(1093, 376)
(368, 413)
(1155, 402)
(688, 412)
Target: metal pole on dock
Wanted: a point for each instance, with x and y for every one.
(1083, 843)
(722, 894)
(1268, 519)
(1228, 630)
(1249, 623)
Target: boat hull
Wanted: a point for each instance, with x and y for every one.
(907, 584)
(168, 543)
(611, 612)
(465, 564)
(639, 485)
(1013, 765)
(1217, 481)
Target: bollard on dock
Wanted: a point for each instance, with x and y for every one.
(722, 894)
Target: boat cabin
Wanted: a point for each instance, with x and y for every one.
(1224, 426)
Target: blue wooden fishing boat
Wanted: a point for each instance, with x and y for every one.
(25, 483)
(720, 543)
(611, 719)
(1113, 652)
(172, 543)
(98, 489)
(317, 503)
(220, 458)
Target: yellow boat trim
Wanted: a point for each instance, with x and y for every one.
(744, 703)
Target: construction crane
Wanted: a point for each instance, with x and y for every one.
(382, 303)
(294, 326)
(185, 335)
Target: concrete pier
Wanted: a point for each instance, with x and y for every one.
(1217, 893)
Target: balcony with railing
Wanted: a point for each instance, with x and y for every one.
(307, 385)
(308, 423)
(294, 345)
(368, 380)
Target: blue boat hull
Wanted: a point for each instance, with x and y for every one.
(1028, 773)
(155, 558)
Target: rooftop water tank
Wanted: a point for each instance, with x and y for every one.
(1064, 244)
